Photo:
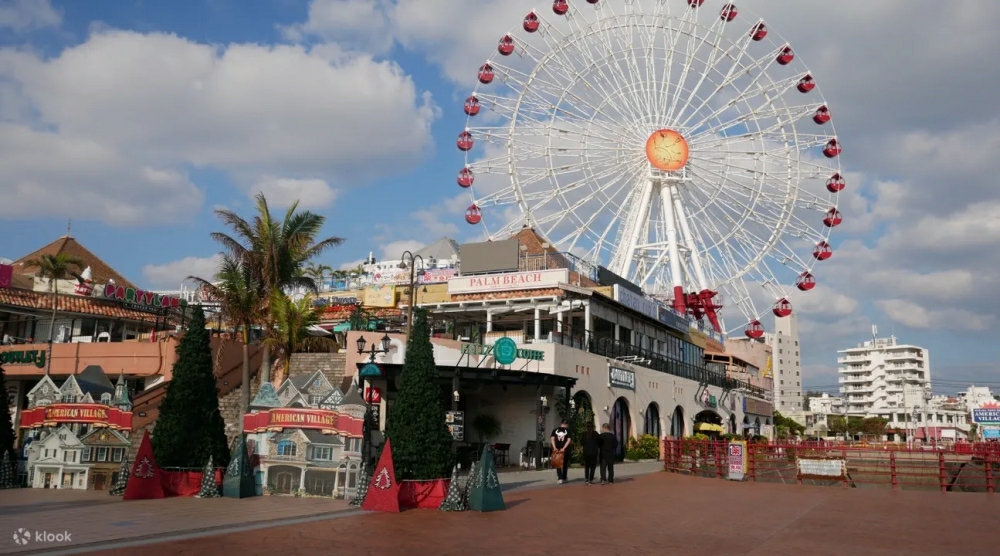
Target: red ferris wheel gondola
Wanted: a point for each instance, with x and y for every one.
(473, 215)
(758, 32)
(782, 308)
(472, 106)
(486, 74)
(754, 330)
(464, 141)
(832, 149)
(832, 218)
(805, 282)
(506, 46)
(531, 22)
(835, 184)
(560, 7)
(806, 84)
(823, 251)
(822, 115)
(786, 56)
(466, 178)
(728, 12)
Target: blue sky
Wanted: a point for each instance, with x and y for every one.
(138, 136)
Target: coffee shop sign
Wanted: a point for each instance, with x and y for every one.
(141, 299)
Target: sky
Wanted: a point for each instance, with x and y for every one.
(135, 120)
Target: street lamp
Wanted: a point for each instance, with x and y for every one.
(414, 272)
(366, 430)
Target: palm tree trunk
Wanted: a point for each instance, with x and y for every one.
(246, 375)
(265, 364)
(52, 326)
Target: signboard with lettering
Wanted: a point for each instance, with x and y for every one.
(986, 416)
(668, 317)
(636, 302)
(97, 415)
(380, 296)
(23, 357)
(141, 300)
(437, 276)
(822, 468)
(737, 460)
(456, 424)
(508, 282)
(757, 407)
(324, 420)
(621, 378)
(991, 432)
(504, 355)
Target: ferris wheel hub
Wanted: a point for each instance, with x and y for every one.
(667, 150)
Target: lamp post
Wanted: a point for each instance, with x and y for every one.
(414, 272)
(366, 430)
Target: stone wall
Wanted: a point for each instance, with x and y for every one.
(332, 365)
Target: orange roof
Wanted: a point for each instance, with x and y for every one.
(67, 244)
(28, 299)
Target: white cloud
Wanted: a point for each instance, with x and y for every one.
(282, 192)
(361, 24)
(906, 313)
(393, 251)
(172, 274)
(25, 15)
(120, 117)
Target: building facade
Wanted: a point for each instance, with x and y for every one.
(881, 374)
(786, 359)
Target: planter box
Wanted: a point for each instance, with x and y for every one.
(423, 494)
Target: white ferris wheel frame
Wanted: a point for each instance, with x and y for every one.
(684, 246)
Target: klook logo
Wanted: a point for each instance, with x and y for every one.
(23, 536)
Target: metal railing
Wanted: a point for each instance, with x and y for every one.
(961, 467)
(554, 260)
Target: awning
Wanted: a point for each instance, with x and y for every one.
(709, 427)
(318, 331)
(342, 327)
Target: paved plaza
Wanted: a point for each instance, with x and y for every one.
(657, 513)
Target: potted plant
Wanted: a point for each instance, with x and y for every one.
(487, 426)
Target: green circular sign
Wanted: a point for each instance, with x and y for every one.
(504, 351)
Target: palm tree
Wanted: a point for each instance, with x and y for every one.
(238, 294)
(292, 320)
(54, 267)
(275, 251)
(317, 272)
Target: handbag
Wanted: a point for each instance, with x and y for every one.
(557, 459)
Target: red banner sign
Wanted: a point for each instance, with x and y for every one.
(330, 422)
(90, 413)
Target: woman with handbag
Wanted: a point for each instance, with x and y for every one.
(561, 442)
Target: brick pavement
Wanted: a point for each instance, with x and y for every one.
(654, 514)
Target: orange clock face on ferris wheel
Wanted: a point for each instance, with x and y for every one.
(667, 150)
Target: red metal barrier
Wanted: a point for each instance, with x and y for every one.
(962, 468)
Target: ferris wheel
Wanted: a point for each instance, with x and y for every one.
(679, 143)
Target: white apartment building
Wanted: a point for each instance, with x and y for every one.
(786, 361)
(827, 405)
(874, 375)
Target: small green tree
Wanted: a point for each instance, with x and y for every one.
(6, 426)
(793, 427)
(190, 428)
(421, 444)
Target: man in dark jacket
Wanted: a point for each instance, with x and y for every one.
(609, 449)
(591, 453)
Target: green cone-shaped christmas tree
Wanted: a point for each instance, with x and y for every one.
(486, 495)
(467, 488)
(238, 481)
(421, 444)
(455, 500)
(209, 488)
(363, 480)
(123, 472)
(6, 471)
(190, 428)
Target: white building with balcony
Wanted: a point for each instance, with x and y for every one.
(787, 364)
(874, 375)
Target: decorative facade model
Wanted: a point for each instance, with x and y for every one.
(306, 436)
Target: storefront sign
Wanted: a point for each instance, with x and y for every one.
(821, 468)
(991, 432)
(708, 400)
(757, 407)
(504, 353)
(324, 420)
(141, 300)
(97, 415)
(380, 296)
(737, 460)
(636, 302)
(621, 378)
(373, 394)
(437, 276)
(30, 357)
(508, 282)
(456, 424)
(668, 317)
(370, 370)
(336, 301)
(391, 277)
(986, 416)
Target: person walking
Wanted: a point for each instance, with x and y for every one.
(591, 453)
(561, 442)
(609, 452)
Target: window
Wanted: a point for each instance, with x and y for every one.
(286, 448)
(106, 398)
(66, 456)
(322, 453)
(796, 352)
(86, 454)
(796, 342)
(782, 381)
(102, 453)
(780, 361)
(781, 351)
(314, 400)
(782, 392)
(119, 452)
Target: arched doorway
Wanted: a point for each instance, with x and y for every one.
(652, 423)
(677, 423)
(732, 424)
(584, 408)
(709, 423)
(621, 426)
